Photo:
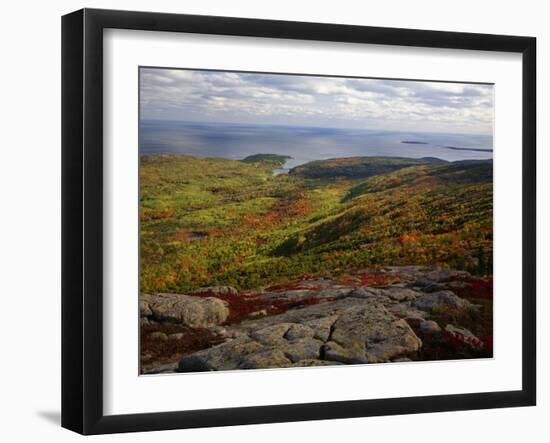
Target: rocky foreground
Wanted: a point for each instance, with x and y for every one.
(391, 315)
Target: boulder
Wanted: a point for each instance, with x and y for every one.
(195, 312)
(272, 358)
(271, 335)
(429, 302)
(224, 356)
(295, 340)
(429, 327)
(439, 275)
(400, 294)
(370, 334)
(431, 279)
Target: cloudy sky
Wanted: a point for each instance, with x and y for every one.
(211, 96)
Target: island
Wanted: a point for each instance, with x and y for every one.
(271, 159)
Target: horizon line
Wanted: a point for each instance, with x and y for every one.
(141, 119)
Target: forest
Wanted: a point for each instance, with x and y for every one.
(214, 221)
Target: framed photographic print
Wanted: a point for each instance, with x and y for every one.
(269, 221)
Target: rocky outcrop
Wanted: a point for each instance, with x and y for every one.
(429, 327)
(429, 302)
(322, 322)
(422, 277)
(348, 330)
(369, 334)
(195, 312)
(464, 335)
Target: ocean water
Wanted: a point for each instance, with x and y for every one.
(304, 144)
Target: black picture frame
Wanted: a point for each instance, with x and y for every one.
(82, 218)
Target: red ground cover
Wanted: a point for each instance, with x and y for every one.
(242, 306)
(477, 288)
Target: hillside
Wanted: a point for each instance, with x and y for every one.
(208, 222)
(358, 167)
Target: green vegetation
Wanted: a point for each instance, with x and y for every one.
(274, 160)
(216, 221)
(357, 167)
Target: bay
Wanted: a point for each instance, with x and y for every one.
(304, 144)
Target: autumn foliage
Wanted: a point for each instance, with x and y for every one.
(207, 222)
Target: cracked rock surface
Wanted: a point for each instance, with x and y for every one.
(347, 330)
(351, 323)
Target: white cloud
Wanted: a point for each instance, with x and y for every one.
(316, 101)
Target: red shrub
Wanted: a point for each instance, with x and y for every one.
(476, 288)
(294, 286)
(242, 305)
